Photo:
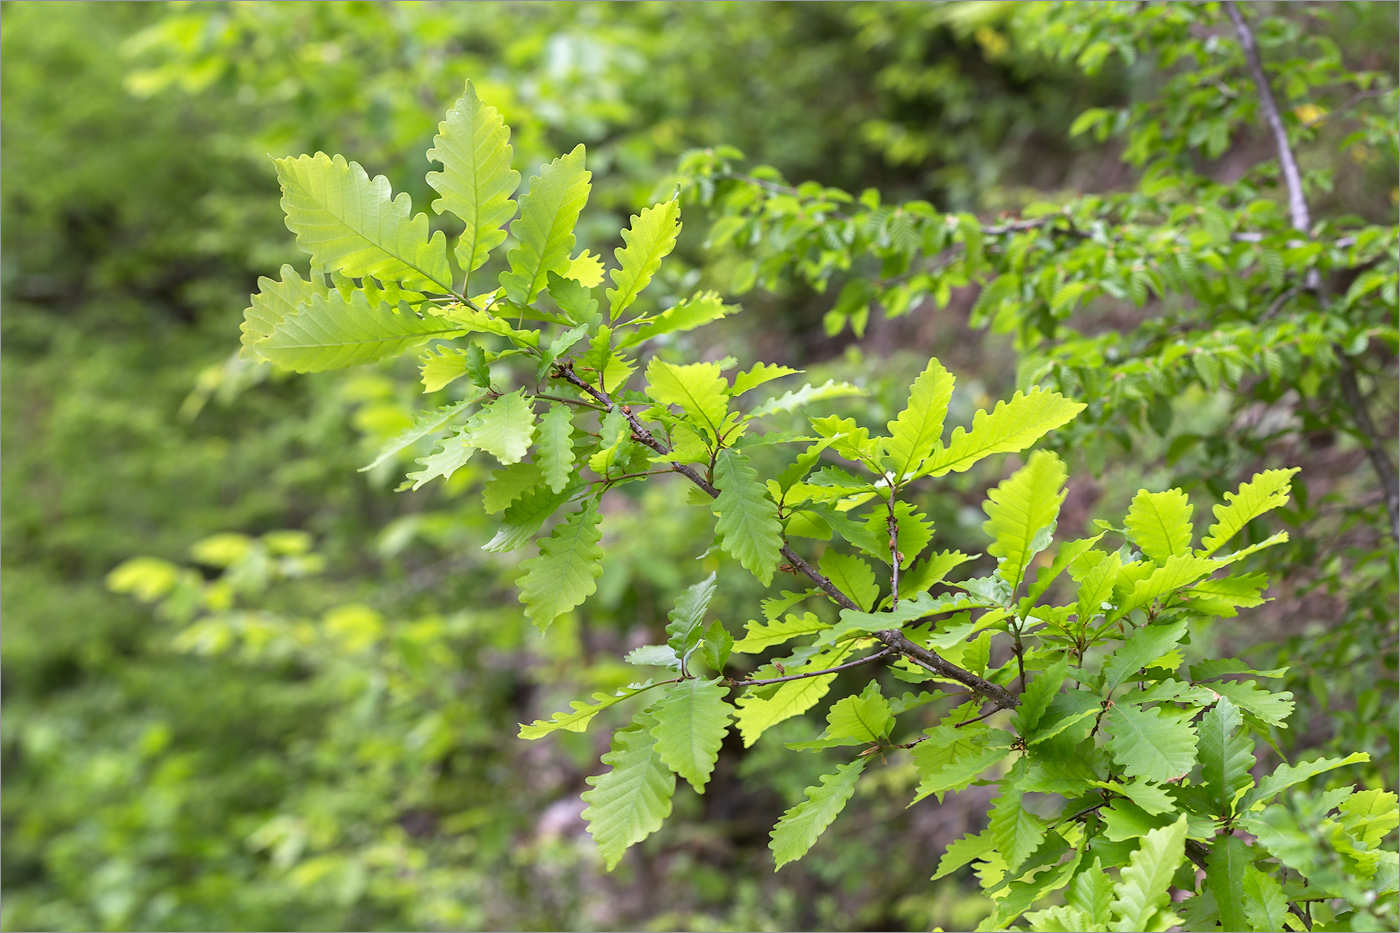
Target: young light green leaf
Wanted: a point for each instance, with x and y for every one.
(1179, 571)
(508, 484)
(1226, 753)
(1149, 745)
(1144, 888)
(918, 430)
(696, 311)
(581, 713)
(1062, 917)
(760, 374)
(555, 442)
(332, 332)
(1266, 491)
(476, 181)
(567, 569)
(472, 320)
(1065, 555)
(1010, 427)
(504, 427)
(441, 366)
(1370, 815)
(631, 800)
(923, 575)
(685, 629)
(756, 714)
(801, 398)
(850, 575)
(866, 717)
(1160, 524)
(585, 269)
(748, 526)
(651, 237)
(545, 228)
(1143, 647)
(699, 390)
(349, 223)
(802, 825)
(1037, 696)
(691, 720)
(1021, 514)
(1225, 868)
(762, 636)
(1018, 832)
(425, 424)
(1286, 775)
(1096, 588)
(452, 452)
(272, 303)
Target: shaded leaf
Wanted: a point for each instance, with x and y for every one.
(567, 569)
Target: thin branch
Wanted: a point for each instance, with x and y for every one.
(883, 652)
(1293, 181)
(1279, 302)
(623, 476)
(933, 662)
(891, 638)
(986, 715)
(570, 401)
(893, 523)
(1355, 99)
(1197, 853)
(1380, 462)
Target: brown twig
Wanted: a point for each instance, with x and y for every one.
(986, 715)
(883, 652)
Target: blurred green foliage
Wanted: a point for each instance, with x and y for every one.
(314, 731)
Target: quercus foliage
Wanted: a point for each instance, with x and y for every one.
(1070, 652)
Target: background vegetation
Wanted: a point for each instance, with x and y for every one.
(315, 727)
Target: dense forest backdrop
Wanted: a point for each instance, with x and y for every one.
(248, 686)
